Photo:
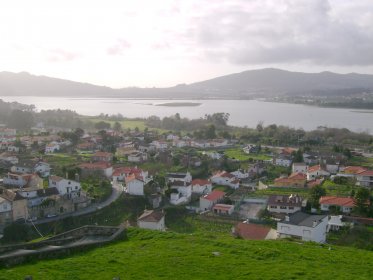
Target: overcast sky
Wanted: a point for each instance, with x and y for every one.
(164, 43)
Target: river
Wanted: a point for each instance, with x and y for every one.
(242, 112)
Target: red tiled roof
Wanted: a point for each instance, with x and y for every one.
(314, 168)
(252, 231)
(366, 173)
(336, 200)
(224, 207)
(126, 170)
(214, 195)
(201, 182)
(354, 169)
(298, 176)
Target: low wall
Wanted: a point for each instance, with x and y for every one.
(66, 244)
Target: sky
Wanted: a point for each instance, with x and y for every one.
(162, 43)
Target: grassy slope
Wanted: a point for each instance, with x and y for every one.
(155, 255)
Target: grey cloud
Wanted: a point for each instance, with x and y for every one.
(288, 31)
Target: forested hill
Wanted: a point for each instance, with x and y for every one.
(253, 83)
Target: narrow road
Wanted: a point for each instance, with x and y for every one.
(117, 189)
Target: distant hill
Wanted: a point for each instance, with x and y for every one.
(253, 83)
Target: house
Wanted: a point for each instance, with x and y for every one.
(201, 186)
(299, 167)
(255, 169)
(283, 160)
(254, 231)
(251, 149)
(160, 145)
(182, 192)
(365, 179)
(226, 179)
(343, 204)
(207, 201)
(304, 226)
(6, 216)
(102, 157)
(42, 168)
(135, 184)
(185, 177)
(295, 180)
(22, 168)
(335, 223)
(96, 168)
(310, 159)
(137, 157)
(286, 204)
(240, 174)
(214, 155)
(171, 137)
(18, 204)
(68, 188)
(316, 171)
(22, 180)
(223, 209)
(9, 158)
(121, 173)
(125, 148)
(152, 219)
(180, 143)
(155, 199)
(52, 147)
(351, 171)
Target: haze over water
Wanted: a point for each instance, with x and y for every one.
(242, 112)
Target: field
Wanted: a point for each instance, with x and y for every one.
(238, 153)
(156, 255)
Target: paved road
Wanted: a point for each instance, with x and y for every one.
(116, 191)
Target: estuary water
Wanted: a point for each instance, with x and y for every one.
(242, 112)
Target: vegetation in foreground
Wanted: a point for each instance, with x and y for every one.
(169, 255)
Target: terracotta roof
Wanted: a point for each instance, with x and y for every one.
(224, 207)
(314, 168)
(214, 195)
(201, 182)
(354, 169)
(298, 176)
(55, 178)
(126, 170)
(366, 173)
(337, 200)
(223, 174)
(133, 177)
(151, 216)
(252, 231)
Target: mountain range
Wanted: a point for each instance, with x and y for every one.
(248, 84)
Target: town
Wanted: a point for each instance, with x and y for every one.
(319, 194)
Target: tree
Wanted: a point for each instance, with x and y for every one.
(315, 194)
(210, 132)
(362, 197)
(21, 120)
(102, 125)
(117, 126)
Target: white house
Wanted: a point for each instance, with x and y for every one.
(226, 179)
(171, 137)
(299, 167)
(283, 161)
(152, 219)
(365, 179)
(316, 171)
(304, 226)
(135, 184)
(285, 203)
(42, 168)
(201, 186)
(214, 155)
(23, 169)
(52, 147)
(207, 201)
(223, 209)
(343, 204)
(240, 174)
(5, 211)
(64, 186)
(182, 193)
(137, 157)
(160, 145)
(185, 177)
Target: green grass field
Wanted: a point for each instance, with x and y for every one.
(238, 153)
(157, 255)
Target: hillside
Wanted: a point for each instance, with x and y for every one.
(248, 84)
(157, 255)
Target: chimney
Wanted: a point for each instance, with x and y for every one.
(77, 177)
(314, 224)
(287, 218)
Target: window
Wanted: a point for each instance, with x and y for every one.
(283, 207)
(291, 207)
(273, 206)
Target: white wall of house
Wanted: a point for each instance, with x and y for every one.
(65, 186)
(315, 174)
(135, 187)
(299, 168)
(160, 225)
(316, 234)
(202, 189)
(283, 209)
(283, 162)
(344, 209)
